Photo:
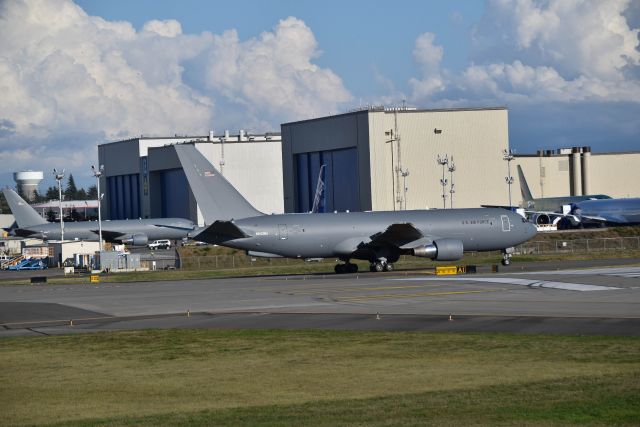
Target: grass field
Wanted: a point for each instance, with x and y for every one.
(209, 377)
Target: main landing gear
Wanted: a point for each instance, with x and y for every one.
(346, 268)
(381, 265)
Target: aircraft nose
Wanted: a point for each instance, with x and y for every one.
(531, 229)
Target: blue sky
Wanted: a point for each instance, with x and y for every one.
(76, 74)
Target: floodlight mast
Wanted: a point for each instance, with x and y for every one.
(452, 168)
(443, 161)
(59, 177)
(507, 155)
(98, 173)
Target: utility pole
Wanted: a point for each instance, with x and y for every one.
(390, 135)
(59, 177)
(443, 161)
(98, 173)
(507, 155)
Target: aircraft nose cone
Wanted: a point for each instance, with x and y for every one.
(531, 230)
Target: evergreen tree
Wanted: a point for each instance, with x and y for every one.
(4, 206)
(37, 198)
(71, 191)
(51, 194)
(51, 215)
(81, 194)
(92, 193)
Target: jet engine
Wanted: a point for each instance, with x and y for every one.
(136, 240)
(541, 219)
(441, 250)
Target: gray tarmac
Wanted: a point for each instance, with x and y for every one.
(580, 297)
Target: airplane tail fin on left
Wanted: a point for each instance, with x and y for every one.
(217, 198)
(24, 214)
(524, 187)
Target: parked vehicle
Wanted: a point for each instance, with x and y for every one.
(159, 244)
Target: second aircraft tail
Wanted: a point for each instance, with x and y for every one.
(24, 214)
(524, 187)
(217, 198)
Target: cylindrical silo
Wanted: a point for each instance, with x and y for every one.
(586, 160)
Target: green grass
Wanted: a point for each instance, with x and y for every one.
(209, 377)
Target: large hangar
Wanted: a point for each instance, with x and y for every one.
(386, 159)
(144, 179)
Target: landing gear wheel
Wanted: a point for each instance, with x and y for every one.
(388, 267)
(506, 261)
(379, 267)
(372, 267)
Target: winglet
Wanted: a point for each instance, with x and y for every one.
(217, 198)
(24, 214)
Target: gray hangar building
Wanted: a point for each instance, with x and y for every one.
(143, 177)
(386, 159)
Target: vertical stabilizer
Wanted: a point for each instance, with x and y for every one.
(217, 198)
(524, 187)
(24, 214)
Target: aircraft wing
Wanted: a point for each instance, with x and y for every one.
(109, 235)
(220, 231)
(399, 235)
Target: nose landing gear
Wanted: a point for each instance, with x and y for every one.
(506, 256)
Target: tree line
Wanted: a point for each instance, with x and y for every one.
(70, 192)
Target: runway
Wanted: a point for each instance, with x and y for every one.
(602, 300)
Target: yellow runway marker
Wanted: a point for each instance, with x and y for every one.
(420, 294)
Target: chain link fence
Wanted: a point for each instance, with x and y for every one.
(606, 244)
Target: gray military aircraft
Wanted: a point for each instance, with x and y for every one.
(578, 211)
(379, 237)
(136, 232)
(553, 204)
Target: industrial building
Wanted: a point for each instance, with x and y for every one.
(387, 159)
(577, 171)
(143, 178)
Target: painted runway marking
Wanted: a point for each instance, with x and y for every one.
(633, 272)
(405, 296)
(524, 282)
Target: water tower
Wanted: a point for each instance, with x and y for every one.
(28, 182)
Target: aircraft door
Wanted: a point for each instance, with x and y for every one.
(282, 232)
(506, 224)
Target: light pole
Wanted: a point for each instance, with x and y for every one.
(507, 154)
(452, 168)
(389, 141)
(98, 173)
(59, 177)
(444, 161)
(405, 174)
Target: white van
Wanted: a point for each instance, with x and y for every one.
(160, 244)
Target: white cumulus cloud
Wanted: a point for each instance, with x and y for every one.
(69, 81)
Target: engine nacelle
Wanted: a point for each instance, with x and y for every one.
(541, 219)
(136, 240)
(441, 250)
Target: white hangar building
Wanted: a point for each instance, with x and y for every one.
(578, 171)
(386, 159)
(143, 177)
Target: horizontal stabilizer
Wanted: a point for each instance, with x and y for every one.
(220, 231)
